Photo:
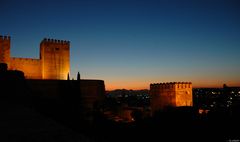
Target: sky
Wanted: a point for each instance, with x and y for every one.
(132, 43)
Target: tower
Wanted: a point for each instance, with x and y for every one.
(55, 59)
(5, 49)
(173, 94)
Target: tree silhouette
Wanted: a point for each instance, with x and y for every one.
(78, 76)
(68, 77)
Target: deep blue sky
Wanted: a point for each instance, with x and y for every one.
(131, 43)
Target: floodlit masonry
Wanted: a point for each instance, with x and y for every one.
(54, 62)
(173, 94)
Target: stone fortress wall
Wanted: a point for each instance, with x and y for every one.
(173, 94)
(54, 62)
(46, 78)
(30, 67)
(55, 58)
(5, 49)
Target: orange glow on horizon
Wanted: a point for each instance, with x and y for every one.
(146, 85)
(126, 85)
(131, 87)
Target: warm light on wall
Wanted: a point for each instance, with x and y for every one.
(174, 94)
(54, 62)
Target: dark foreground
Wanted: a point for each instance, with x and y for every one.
(56, 122)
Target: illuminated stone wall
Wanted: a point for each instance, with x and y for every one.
(184, 94)
(30, 67)
(173, 94)
(5, 49)
(54, 62)
(55, 58)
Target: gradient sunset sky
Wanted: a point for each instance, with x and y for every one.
(132, 43)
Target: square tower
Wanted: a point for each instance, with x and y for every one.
(55, 59)
(173, 94)
(5, 49)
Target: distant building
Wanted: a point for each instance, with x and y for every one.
(54, 62)
(173, 94)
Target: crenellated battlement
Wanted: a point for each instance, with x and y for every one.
(5, 37)
(25, 59)
(55, 41)
(169, 85)
(55, 57)
(54, 62)
(173, 94)
(5, 49)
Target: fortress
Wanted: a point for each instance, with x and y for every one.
(173, 94)
(43, 82)
(54, 62)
